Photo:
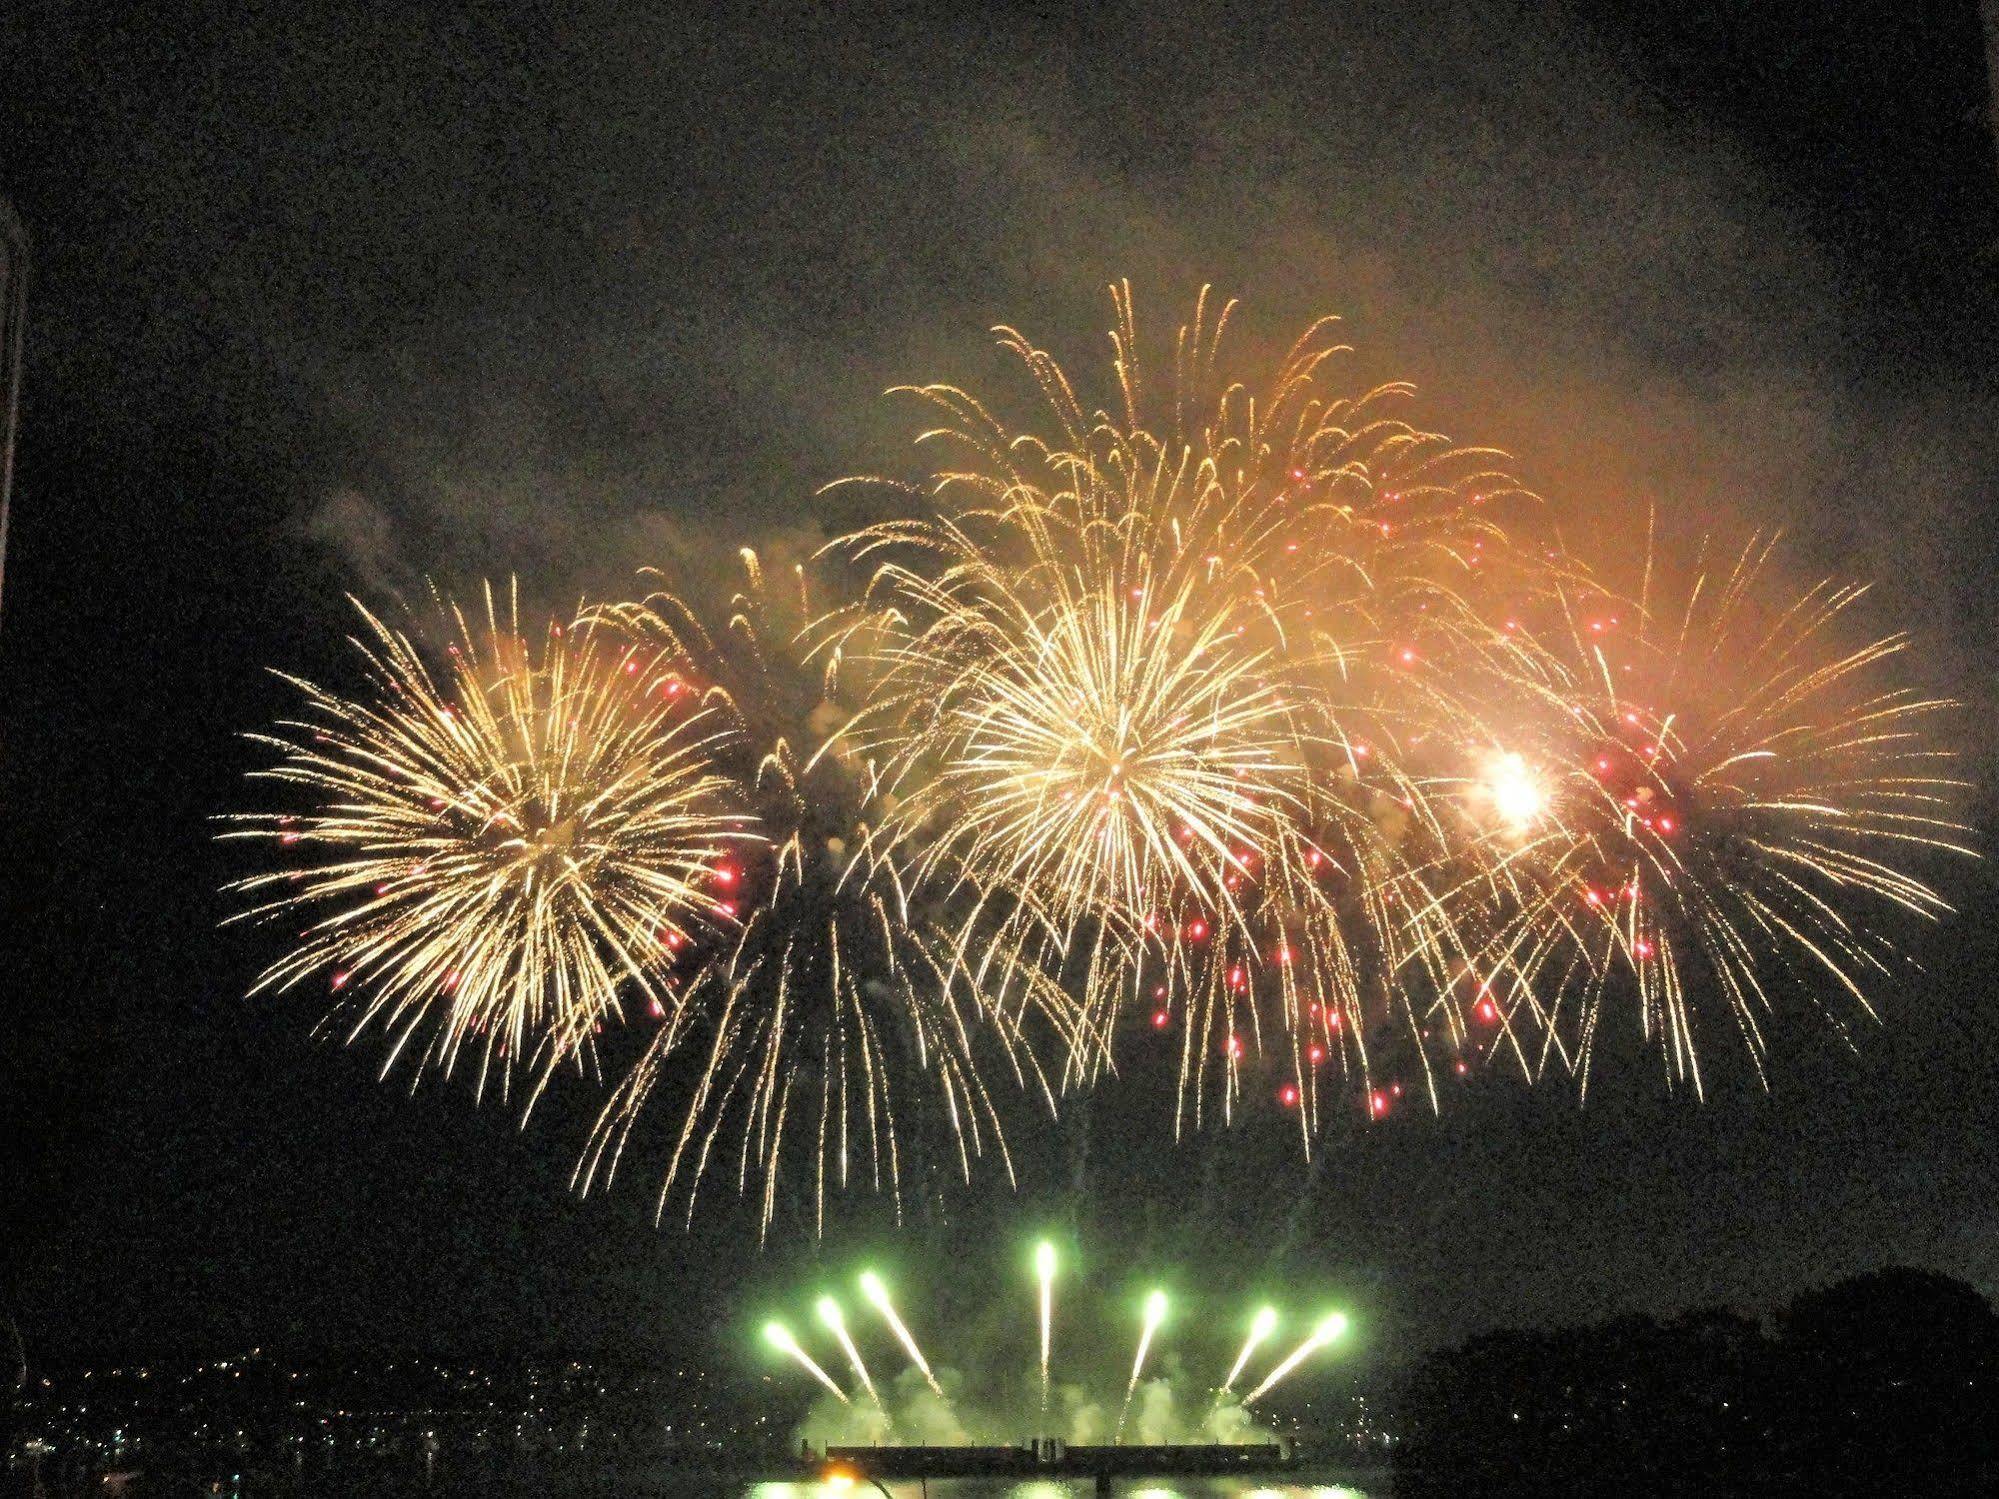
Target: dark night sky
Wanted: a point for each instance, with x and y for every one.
(328, 304)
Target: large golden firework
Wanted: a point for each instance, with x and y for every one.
(494, 845)
(1158, 664)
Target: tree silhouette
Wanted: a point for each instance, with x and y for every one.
(1884, 1383)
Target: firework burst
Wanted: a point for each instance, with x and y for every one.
(493, 852)
(1706, 799)
(833, 1028)
(1254, 726)
(1158, 670)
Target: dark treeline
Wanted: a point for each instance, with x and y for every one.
(1886, 1383)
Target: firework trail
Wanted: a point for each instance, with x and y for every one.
(780, 1338)
(1327, 1330)
(1263, 1326)
(877, 1295)
(496, 843)
(1044, 1272)
(1155, 1313)
(835, 1323)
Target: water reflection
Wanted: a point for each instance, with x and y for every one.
(1042, 1488)
(414, 1482)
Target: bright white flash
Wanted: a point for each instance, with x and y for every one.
(1515, 793)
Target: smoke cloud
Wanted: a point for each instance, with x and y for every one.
(1166, 1408)
(657, 334)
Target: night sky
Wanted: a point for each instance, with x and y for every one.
(335, 304)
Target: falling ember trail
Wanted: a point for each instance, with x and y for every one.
(780, 1338)
(1155, 1313)
(1328, 1329)
(877, 1294)
(829, 1313)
